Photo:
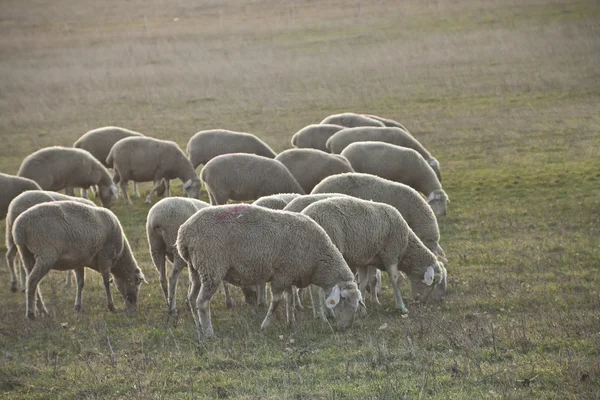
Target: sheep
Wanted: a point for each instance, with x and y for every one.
(243, 177)
(341, 139)
(399, 164)
(387, 122)
(310, 166)
(351, 120)
(68, 235)
(12, 186)
(276, 201)
(99, 141)
(412, 206)
(246, 244)
(144, 159)
(162, 223)
(314, 136)
(206, 145)
(301, 202)
(21, 203)
(370, 234)
(57, 167)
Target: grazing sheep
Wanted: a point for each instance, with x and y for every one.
(144, 159)
(162, 223)
(310, 166)
(67, 235)
(351, 120)
(388, 122)
(249, 245)
(99, 141)
(300, 203)
(206, 145)
(412, 206)
(21, 203)
(370, 234)
(12, 186)
(314, 136)
(276, 201)
(399, 164)
(243, 177)
(55, 168)
(340, 140)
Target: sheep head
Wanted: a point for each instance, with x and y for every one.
(437, 200)
(424, 284)
(129, 287)
(343, 300)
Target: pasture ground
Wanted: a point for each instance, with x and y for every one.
(506, 94)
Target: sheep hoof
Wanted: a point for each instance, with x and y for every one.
(229, 304)
(148, 201)
(31, 315)
(13, 287)
(78, 309)
(111, 307)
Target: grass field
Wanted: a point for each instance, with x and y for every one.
(505, 93)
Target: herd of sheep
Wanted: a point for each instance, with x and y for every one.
(357, 195)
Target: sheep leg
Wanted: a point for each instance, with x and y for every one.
(297, 298)
(69, 279)
(106, 281)
(123, 185)
(135, 190)
(207, 291)
(317, 301)
(193, 292)
(84, 193)
(275, 300)
(70, 191)
(372, 278)
(228, 299)
(262, 294)
(79, 278)
(167, 186)
(157, 185)
(178, 265)
(290, 307)
(10, 261)
(394, 274)
(35, 302)
(23, 274)
(363, 281)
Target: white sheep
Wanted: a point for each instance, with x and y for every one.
(314, 136)
(341, 139)
(311, 166)
(243, 177)
(12, 186)
(399, 164)
(68, 235)
(55, 168)
(351, 120)
(276, 201)
(248, 245)
(412, 206)
(145, 159)
(21, 203)
(99, 141)
(387, 122)
(206, 145)
(370, 234)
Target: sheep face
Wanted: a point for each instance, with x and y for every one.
(192, 188)
(129, 288)
(344, 301)
(437, 200)
(106, 194)
(424, 285)
(440, 290)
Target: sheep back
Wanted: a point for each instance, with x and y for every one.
(276, 201)
(314, 136)
(300, 203)
(12, 186)
(351, 120)
(310, 166)
(99, 141)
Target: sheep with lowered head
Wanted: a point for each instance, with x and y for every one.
(21, 203)
(99, 141)
(310, 166)
(340, 140)
(412, 206)
(206, 145)
(243, 177)
(314, 136)
(370, 234)
(399, 164)
(162, 224)
(55, 168)
(249, 245)
(351, 120)
(144, 159)
(12, 186)
(67, 235)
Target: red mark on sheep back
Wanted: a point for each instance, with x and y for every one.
(232, 211)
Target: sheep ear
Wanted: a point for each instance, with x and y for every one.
(428, 277)
(430, 197)
(187, 184)
(334, 297)
(139, 277)
(113, 189)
